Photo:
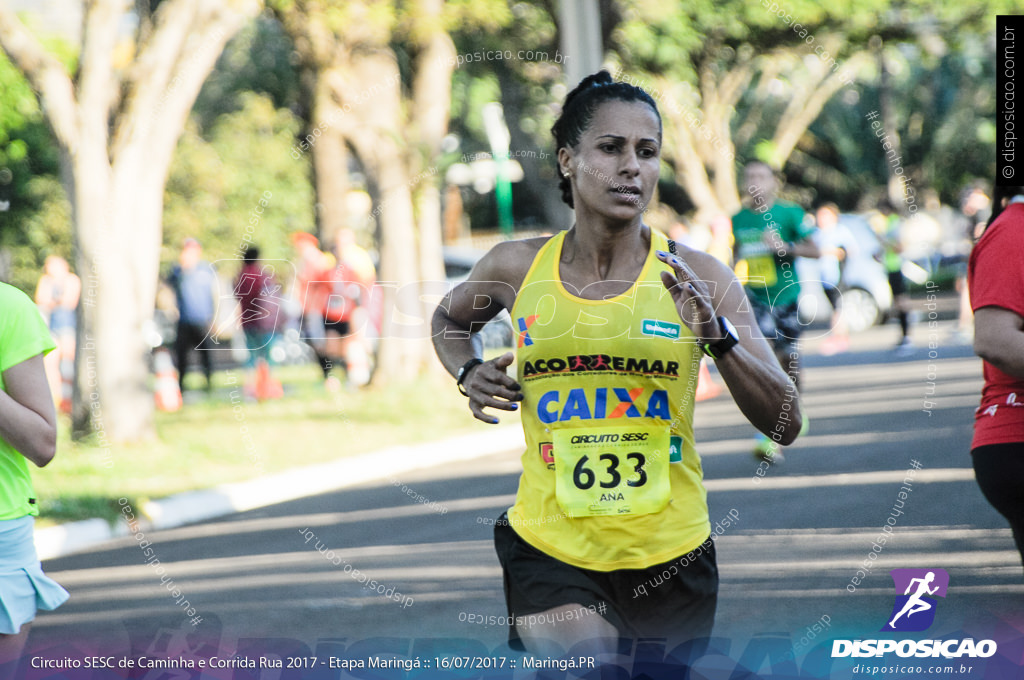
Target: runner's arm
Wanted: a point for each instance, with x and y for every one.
(999, 339)
(760, 387)
(805, 248)
(27, 418)
(490, 287)
(799, 238)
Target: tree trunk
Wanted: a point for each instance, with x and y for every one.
(895, 184)
(330, 167)
(431, 110)
(119, 246)
(691, 170)
(540, 177)
(377, 114)
(405, 332)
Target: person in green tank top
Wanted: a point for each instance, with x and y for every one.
(769, 235)
(609, 139)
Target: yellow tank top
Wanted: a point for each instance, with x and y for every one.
(611, 479)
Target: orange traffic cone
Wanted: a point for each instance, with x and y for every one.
(707, 388)
(266, 386)
(166, 392)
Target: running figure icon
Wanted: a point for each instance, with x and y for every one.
(915, 604)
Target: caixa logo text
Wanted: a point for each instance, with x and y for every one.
(949, 649)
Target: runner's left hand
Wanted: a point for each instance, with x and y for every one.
(692, 298)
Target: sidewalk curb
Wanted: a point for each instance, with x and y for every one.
(224, 499)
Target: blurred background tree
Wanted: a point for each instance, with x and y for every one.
(528, 90)
(944, 116)
(376, 82)
(219, 175)
(116, 115)
(738, 81)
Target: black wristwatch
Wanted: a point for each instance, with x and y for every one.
(464, 371)
(717, 349)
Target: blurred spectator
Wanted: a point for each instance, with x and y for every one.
(836, 243)
(922, 232)
(721, 239)
(976, 207)
(346, 314)
(57, 295)
(356, 257)
(768, 234)
(887, 227)
(195, 286)
(258, 296)
(312, 290)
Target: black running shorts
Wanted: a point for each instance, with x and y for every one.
(675, 600)
(779, 324)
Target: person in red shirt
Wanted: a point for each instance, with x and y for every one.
(345, 312)
(995, 275)
(258, 296)
(313, 290)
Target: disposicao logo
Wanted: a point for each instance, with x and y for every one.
(916, 590)
(914, 611)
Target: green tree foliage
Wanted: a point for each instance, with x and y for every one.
(259, 59)
(35, 218)
(755, 74)
(216, 183)
(945, 115)
(235, 151)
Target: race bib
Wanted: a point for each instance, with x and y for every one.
(762, 268)
(612, 470)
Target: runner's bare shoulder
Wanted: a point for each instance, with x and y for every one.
(508, 262)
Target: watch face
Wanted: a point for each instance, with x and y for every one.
(726, 342)
(727, 326)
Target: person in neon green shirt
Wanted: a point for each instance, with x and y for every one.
(28, 432)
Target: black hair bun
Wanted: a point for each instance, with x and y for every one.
(593, 80)
(599, 78)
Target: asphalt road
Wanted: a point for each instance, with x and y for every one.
(803, 530)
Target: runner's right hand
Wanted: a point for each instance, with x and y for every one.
(489, 386)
